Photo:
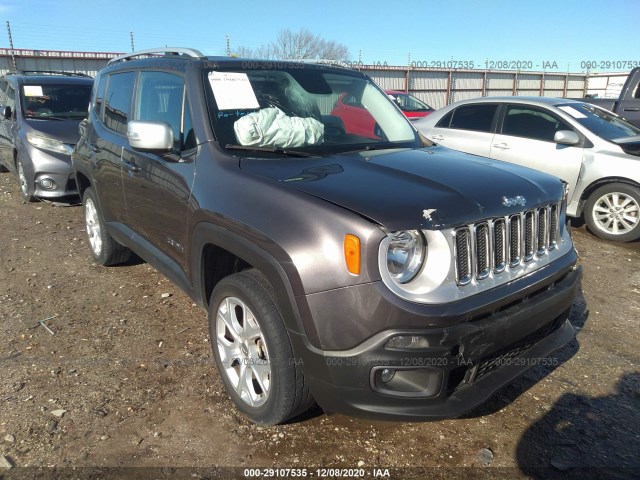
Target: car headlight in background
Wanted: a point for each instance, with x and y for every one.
(405, 255)
(50, 144)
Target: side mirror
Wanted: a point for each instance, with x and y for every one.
(155, 136)
(6, 112)
(566, 137)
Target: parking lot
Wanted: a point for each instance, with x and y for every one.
(122, 376)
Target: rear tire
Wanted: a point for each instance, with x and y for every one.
(612, 212)
(253, 352)
(105, 250)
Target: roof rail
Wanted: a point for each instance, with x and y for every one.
(48, 72)
(188, 52)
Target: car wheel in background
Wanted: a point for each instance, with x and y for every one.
(253, 352)
(104, 248)
(613, 212)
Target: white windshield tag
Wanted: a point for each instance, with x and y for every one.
(232, 90)
(33, 91)
(572, 111)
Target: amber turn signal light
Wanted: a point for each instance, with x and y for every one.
(352, 253)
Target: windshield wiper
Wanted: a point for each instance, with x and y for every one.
(376, 146)
(280, 150)
(45, 117)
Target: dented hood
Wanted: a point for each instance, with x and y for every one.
(405, 189)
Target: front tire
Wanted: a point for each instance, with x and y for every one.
(105, 250)
(613, 212)
(253, 352)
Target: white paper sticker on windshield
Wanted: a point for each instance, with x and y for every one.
(572, 111)
(33, 91)
(232, 90)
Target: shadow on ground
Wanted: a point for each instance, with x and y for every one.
(586, 437)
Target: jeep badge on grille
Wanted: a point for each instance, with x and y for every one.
(512, 201)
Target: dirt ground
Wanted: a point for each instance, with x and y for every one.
(131, 366)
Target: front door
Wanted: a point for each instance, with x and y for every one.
(526, 138)
(157, 187)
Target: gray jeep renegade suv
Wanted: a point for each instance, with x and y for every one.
(373, 272)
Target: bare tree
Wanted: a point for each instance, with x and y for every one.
(303, 44)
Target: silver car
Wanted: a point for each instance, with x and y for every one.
(39, 118)
(595, 151)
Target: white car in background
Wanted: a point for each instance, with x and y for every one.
(595, 151)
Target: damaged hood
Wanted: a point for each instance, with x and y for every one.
(432, 188)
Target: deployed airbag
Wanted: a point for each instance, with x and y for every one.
(272, 127)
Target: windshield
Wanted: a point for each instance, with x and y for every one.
(309, 109)
(52, 101)
(599, 121)
(409, 103)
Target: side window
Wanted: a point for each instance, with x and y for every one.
(117, 104)
(98, 98)
(530, 122)
(3, 93)
(474, 117)
(161, 98)
(10, 97)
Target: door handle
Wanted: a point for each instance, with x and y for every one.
(131, 166)
(502, 146)
(634, 109)
(437, 138)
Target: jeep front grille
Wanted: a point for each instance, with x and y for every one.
(498, 244)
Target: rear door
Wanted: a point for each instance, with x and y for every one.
(468, 128)
(109, 140)
(157, 187)
(525, 137)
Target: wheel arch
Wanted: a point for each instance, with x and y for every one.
(218, 252)
(82, 183)
(586, 193)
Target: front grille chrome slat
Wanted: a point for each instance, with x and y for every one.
(506, 243)
(528, 235)
(483, 253)
(499, 245)
(515, 239)
(462, 247)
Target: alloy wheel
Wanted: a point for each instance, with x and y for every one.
(243, 351)
(616, 213)
(92, 224)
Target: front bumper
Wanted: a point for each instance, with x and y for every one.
(462, 366)
(45, 167)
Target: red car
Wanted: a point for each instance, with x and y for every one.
(358, 121)
(410, 105)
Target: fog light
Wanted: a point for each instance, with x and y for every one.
(47, 183)
(406, 342)
(387, 375)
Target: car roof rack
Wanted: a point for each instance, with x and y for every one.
(48, 72)
(168, 51)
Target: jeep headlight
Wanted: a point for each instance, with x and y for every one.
(50, 144)
(405, 255)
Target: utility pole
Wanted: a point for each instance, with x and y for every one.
(13, 56)
(132, 46)
(228, 46)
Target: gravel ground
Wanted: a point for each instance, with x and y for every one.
(127, 380)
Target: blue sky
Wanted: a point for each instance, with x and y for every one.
(566, 32)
